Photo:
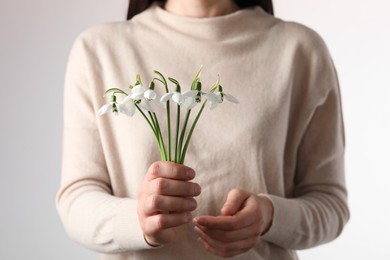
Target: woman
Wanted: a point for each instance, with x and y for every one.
(269, 172)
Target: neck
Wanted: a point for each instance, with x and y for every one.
(201, 8)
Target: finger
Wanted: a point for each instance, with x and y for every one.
(247, 216)
(234, 202)
(170, 170)
(235, 235)
(170, 187)
(217, 252)
(226, 249)
(163, 237)
(158, 203)
(154, 224)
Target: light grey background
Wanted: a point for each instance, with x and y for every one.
(35, 38)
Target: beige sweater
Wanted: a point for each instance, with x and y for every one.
(285, 138)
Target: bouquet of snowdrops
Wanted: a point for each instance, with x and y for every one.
(147, 101)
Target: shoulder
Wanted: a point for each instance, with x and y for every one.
(306, 54)
(109, 32)
(103, 33)
(101, 39)
(299, 36)
(305, 47)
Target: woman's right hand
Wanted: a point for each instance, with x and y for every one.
(165, 201)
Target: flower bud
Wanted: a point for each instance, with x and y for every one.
(178, 88)
(198, 86)
(138, 80)
(151, 85)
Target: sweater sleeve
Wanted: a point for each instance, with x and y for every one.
(317, 211)
(90, 213)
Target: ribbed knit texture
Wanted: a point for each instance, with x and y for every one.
(285, 138)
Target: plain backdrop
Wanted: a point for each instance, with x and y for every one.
(35, 38)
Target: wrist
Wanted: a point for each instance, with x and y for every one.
(267, 209)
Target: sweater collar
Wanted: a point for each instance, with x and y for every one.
(211, 28)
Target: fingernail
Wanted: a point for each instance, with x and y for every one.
(192, 205)
(197, 189)
(189, 174)
(198, 223)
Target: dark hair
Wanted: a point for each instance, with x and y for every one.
(137, 6)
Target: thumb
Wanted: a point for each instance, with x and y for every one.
(234, 202)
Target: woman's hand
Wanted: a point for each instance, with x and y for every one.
(244, 218)
(165, 201)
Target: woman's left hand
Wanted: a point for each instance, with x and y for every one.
(244, 217)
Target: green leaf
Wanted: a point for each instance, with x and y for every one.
(115, 91)
(174, 81)
(138, 80)
(215, 86)
(178, 88)
(196, 79)
(164, 81)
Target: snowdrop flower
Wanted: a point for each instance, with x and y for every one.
(186, 100)
(137, 92)
(218, 97)
(145, 98)
(107, 107)
(126, 107)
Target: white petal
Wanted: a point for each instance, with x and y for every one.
(150, 94)
(145, 105)
(131, 108)
(190, 93)
(166, 97)
(219, 97)
(138, 89)
(212, 97)
(189, 103)
(125, 109)
(136, 96)
(213, 105)
(104, 109)
(178, 98)
(230, 98)
(128, 105)
(127, 99)
(155, 105)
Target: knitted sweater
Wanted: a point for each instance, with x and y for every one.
(284, 139)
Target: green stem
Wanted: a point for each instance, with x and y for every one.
(147, 120)
(161, 140)
(164, 82)
(177, 158)
(183, 131)
(169, 129)
(157, 134)
(183, 156)
(158, 137)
